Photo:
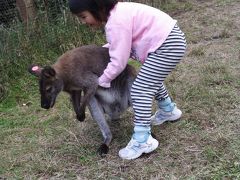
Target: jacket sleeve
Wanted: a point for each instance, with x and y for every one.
(106, 45)
(120, 42)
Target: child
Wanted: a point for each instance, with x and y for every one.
(149, 36)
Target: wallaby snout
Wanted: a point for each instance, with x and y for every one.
(47, 104)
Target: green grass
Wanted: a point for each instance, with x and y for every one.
(51, 144)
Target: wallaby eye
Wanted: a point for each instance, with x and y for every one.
(48, 89)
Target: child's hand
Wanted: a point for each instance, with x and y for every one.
(103, 84)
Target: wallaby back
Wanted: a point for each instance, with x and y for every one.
(77, 67)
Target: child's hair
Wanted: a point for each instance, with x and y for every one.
(98, 8)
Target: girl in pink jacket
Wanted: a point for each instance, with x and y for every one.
(149, 36)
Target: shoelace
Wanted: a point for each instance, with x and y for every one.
(133, 145)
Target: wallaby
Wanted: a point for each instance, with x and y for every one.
(78, 70)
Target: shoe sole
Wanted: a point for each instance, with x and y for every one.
(171, 121)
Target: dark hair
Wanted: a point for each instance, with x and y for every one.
(98, 8)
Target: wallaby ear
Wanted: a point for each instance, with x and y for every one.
(48, 72)
(35, 70)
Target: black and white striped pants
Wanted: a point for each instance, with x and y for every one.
(149, 81)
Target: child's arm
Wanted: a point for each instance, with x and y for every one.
(120, 42)
(106, 45)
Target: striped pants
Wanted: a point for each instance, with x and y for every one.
(149, 81)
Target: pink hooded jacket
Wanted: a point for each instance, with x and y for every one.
(133, 30)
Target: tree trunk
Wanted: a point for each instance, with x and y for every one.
(26, 10)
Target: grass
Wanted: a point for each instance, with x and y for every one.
(52, 144)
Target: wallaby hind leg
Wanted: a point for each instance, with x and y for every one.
(98, 115)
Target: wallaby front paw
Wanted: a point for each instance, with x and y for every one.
(103, 150)
(81, 117)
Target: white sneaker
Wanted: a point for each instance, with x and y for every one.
(162, 116)
(135, 149)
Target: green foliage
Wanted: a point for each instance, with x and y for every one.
(51, 9)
